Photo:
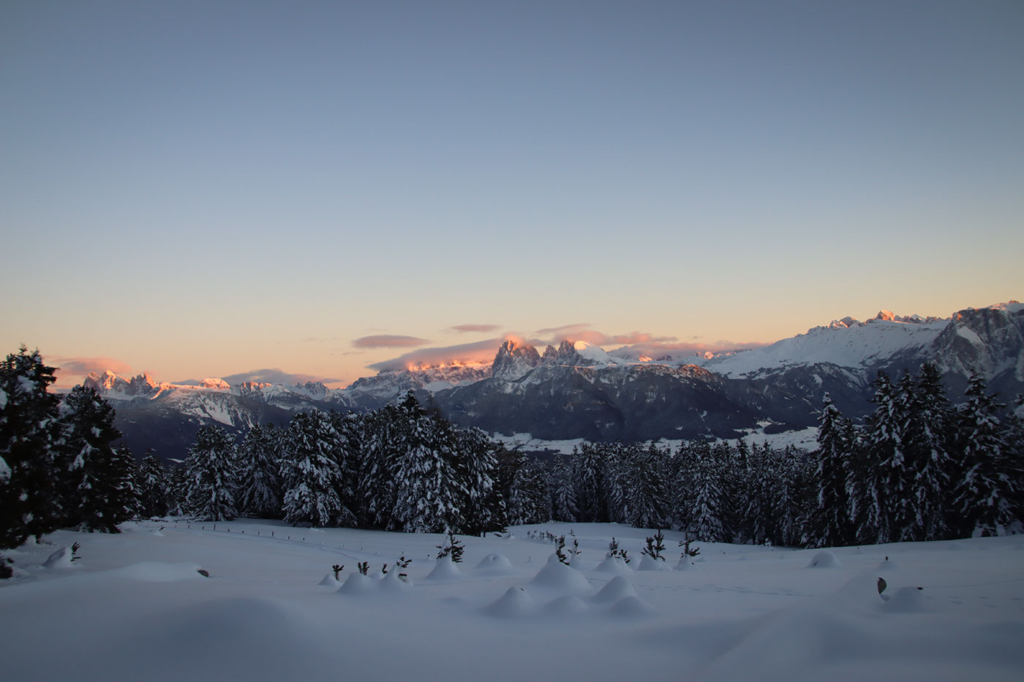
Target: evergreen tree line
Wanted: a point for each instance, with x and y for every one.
(920, 468)
(400, 468)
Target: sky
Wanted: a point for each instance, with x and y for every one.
(213, 189)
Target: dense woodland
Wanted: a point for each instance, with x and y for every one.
(918, 469)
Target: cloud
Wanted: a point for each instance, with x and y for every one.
(481, 351)
(582, 332)
(679, 351)
(277, 376)
(84, 366)
(560, 332)
(389, 341)
(474, 328)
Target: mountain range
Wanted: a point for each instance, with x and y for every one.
(578, 390)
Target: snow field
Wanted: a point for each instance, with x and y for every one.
(134, 606)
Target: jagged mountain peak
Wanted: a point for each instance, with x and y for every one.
(107, 383)
(514, 360)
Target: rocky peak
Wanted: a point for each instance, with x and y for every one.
(138, 386)
(514, 360)
(566, 355)
(314, 389)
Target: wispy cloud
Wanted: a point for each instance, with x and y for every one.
(475, 328)
(389, 341)
(277, 376)
(84, 366)
(680, 350)
(561, 332)
(582, 332)
(481, 351)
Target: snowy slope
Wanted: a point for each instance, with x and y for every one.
(856, 346)
(135, 608)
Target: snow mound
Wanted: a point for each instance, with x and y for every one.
(649, 564)
(514, 603)
(160, 572)
(616, 589)
(614, 565)
(59, 559)
(393, 584)
(566, 605)
(495, 562)
(904, 600)
(556, 575)
(824, 559)
(357, 583)
(886, 564)
(629, 607)
(330, 581)
(685, 564)
(445, 569)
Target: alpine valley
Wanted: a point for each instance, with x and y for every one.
(580, 391)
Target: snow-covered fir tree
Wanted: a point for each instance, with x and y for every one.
(211, 476)
(311, 472)
(984, 493)
(485, 508)
(259, 475)
(927, 445)
(588, 470)
(30, 503)
(563, 494)
(431, 486)
(646, 500)
(153, 485)
(880, 480)
(92, 477)
(528, 498)
(829, 522)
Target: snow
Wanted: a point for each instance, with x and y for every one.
(850, 347)
(134, 606)
(970, 335)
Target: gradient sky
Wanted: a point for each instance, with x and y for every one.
(207, 188)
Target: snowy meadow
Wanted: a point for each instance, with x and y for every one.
(134, 606)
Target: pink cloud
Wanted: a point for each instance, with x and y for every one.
(388, 341)
(474, 328)
(85, 366)
(581, 332)
(481, 351)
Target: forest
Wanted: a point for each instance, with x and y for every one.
(919, 468)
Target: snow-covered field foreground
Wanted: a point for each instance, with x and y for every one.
(134, 607)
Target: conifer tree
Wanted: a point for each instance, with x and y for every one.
(829, 523)
(311, 473)
(927, 446)
(563, 495)
(588, 468)
(880, 480)
(430, 480)
(259, 459)
(485, 508)
(707, 516)
(30, 503)
(983, 496)
(646, 501)
(210, 476)
(93, 478)
(153, 486)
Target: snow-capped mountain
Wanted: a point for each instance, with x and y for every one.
(578, 390)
